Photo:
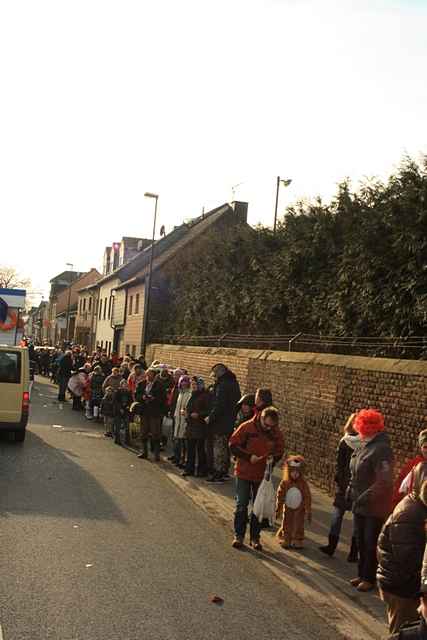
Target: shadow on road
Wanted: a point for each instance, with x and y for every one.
(36, 478)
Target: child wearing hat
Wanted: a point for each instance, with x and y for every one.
(293, 503)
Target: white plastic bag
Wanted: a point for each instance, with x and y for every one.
(265, 501)
(167, 426)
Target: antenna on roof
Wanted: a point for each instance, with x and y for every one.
(233, 190)
(162, 230)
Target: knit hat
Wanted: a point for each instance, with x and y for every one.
(422, 438)
(369, 422)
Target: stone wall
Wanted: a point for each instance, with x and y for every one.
(316, 393)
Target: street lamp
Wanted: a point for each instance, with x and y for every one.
(147, 194)
(286, 182)
(68, 264)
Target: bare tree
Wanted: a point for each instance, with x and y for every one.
(11, 279)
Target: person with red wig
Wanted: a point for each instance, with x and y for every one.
(370, 491)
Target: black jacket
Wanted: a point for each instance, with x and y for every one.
(226, 395)
(342, 475)
(198, 403)
(371, 484)
(401, 547)
(416, 631)
(155, 405)
(122, 401)
(65, 367)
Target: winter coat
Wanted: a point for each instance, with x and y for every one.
(65, 366)
(226, 395)
(180, 424)
(199, 403)
(416, 631)
(342, 471)
(133, 382)
(401, 546)
(250, 439)
(172, 398)
(96, 382)
(154, 405)
(405, 470)
(122, 401)
(107, 406)
(112, 381)
(371, 484)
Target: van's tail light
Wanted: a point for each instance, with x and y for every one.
(25, 402)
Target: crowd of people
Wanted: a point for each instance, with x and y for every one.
(212, 426)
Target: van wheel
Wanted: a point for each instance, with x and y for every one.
(20, 435)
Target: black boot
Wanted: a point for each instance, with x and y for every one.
(353, 556)
(329, 549)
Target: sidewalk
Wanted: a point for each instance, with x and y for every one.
(309, 573)
(320, 581)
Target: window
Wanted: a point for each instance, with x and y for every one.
(126, 350)
(105, 308)
(109, 306)
(80, 306)
(102, 343)
(133, 351)
(84, 304)
(100, 309)
(130, 306)
(90, 304)
(137, 303)
(10, 367)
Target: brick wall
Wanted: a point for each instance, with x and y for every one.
(316, 393)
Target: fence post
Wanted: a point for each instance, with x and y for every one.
(292, 339)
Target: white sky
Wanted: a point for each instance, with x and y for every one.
(103, 100)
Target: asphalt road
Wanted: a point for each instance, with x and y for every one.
(98, 545)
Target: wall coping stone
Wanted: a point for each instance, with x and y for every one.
(385, 365)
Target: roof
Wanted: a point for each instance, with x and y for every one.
(167, 246)
(67, 275)
(94, 285)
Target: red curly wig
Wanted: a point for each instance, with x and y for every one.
(369, 422)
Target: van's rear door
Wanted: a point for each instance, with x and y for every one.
(11, 387)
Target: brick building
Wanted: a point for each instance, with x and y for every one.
(127, 313)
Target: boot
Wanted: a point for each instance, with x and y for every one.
(144, 453)
(329, 549)
(156, 450)
(353, 556)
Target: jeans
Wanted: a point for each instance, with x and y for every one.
(63, 384)
(367, 530)
(245, 492)
(336, 522)
(179, 449)
(196, 446)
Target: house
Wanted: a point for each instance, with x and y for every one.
(57, 285)
(87, 313)
(66, 305)
(122, 309)
(96, 320)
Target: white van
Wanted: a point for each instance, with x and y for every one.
(14, 390)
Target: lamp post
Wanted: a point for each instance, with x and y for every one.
(286, 182)
(150, 272)
(68, 264)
